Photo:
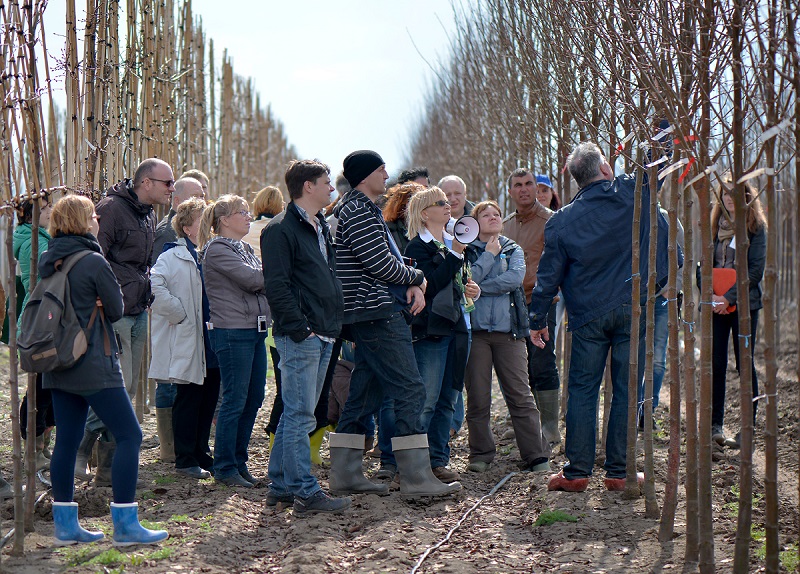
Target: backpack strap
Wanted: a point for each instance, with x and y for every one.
(66, 264)
(106, 341)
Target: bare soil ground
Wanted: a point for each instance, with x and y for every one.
(218, 529)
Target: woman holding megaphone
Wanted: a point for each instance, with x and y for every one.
(441, 331)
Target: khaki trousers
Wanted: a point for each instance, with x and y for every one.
(510, 360)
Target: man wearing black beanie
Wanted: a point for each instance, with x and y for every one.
(378, 287)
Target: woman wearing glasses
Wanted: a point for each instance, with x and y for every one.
(238, 328)
(440, 332)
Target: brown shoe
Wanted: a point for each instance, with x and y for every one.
(560, 482)
(618, 484)
(445, 474)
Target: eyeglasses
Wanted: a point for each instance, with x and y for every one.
(243, 213)
(167, 182)
(440, 203)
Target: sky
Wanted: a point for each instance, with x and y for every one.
(341, 75)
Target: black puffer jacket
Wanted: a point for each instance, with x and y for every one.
(89, 279)
(127, 233)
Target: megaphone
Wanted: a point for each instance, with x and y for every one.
(465, 229)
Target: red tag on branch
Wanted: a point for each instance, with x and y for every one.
(686, 170)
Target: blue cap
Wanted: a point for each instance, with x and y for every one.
(543, 179)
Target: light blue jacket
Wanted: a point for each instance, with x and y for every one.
(498, 277)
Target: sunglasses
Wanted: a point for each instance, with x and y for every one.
(440, 203)
(167, 182)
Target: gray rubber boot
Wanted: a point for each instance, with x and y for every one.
(347, 474)
(414, 467)
(84, 454)
(105, 457)
(548, 404)
(166, 435)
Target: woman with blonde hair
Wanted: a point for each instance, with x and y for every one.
(725, 319)
(441, 331)
(499, 330)
(95, 380)
(239, 318)
(267, 204)
(181, 353)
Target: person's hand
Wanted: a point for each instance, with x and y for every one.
(720, 305)
(493, 245)
(472, 290)
(539, 337)
(99, 303)
(416, 298)
(458, 247)
(424, 285)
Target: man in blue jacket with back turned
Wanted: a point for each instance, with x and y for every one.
(587, 254)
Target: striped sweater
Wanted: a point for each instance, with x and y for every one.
(364, 261)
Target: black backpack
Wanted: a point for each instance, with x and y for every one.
(51, 337)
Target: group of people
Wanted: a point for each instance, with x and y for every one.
(377, 272)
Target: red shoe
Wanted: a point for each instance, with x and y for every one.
(559, 482)
(618, 484)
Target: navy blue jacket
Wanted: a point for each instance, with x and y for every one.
(89, 279)
(587, 253)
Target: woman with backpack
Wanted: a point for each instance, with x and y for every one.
(95, 380)
(499, 330)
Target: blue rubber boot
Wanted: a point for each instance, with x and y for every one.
(67, 529)
(128, 531)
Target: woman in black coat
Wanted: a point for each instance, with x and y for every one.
(94, 381)
(441, 331)
(724, 322)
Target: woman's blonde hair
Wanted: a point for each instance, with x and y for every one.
(224, 206)
(418, 203)
(186, 214)
(268, 201)
(756, 220)
(71, 215)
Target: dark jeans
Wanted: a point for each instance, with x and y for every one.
(192, 414)
(542, 369)
(385, 364)
(723, 326)
(321, 410)
(242, 357)
(590, 346)
(114, 408)
(44, 410)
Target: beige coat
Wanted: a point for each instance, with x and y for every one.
(177, 318)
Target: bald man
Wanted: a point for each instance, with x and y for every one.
(185, 188)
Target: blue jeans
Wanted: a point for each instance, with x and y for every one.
(165, 395)
(458, 415)
(385, 364)
(434, 364)
(660, 337)
(242, 357)
(131, 331)
(303, 366)
(590, 346)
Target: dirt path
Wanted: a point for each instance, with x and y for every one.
(218, 529)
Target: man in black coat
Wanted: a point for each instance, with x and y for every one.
(305, 298)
